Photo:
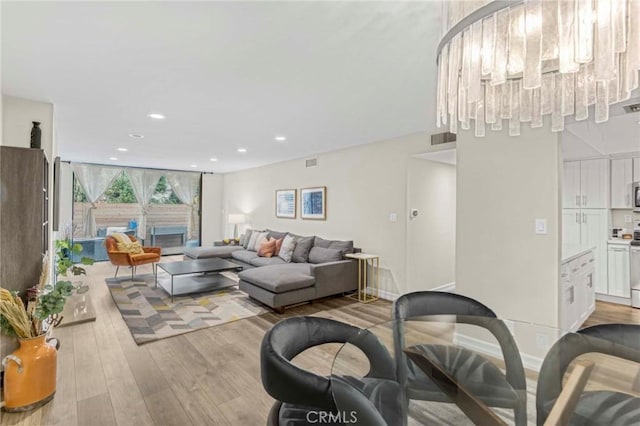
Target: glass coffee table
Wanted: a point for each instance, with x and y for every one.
(193, 276)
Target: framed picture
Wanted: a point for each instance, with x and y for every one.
(286, 203)
(313, 203)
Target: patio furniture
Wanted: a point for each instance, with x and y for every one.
(123, 258)
(172, 230)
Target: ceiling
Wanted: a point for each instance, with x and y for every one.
(227, 75)
(618, 136)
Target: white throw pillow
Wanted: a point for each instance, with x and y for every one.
(252, 240)
(260, 238)
(286, 249)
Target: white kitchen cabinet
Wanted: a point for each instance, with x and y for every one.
(636, 169)
(621, 180)
(577, 291)
(619, 274)
(571, 224)
(571, 185)
(594, 183)
(586, 184)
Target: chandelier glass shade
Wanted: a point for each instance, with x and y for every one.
(503, 63)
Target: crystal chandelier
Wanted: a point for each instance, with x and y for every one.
(520, 60)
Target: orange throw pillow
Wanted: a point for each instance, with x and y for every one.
(267, 248)
(278, 245)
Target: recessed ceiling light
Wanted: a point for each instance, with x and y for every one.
(281, 138)
(113, 158)
(123, 149)
(136, 136)
(243, 150)
(194, 165)
(213, 159)
(156, 116)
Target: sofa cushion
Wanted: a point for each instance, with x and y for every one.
(264, 261)
(279, 278)
(324, 255)
(344, 246)
(276, 234)
(207, 252)
(245, 256)
(302, 248)
(286, 250)
(260, 238)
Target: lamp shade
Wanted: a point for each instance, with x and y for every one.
(236, 218)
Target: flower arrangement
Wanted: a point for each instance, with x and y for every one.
(231, 241)
(44, 301)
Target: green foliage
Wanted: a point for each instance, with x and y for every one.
(78, 193)
(64, 252)
(6, 327)
(164, 194)
(53, 301)
(120, 191)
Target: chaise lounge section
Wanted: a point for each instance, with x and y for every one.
(309, 275)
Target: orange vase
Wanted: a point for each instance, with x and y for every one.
(30, 375)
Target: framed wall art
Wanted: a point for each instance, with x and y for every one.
(313, 203)
(286, 203)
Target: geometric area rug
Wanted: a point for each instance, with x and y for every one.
(150, 315)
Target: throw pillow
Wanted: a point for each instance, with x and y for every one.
(267, 248)
(286, 250)
(324, 255)
(278, 246)
(276, 234)
(243, 239)
(260, 238)
(251, 242)
(133, 247)
(301, 250)
(344, 246)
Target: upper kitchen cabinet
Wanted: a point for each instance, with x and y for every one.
(636, 169)
(621, 180)
(586, 184)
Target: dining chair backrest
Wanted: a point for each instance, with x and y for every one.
(618, 340)
(289, 383)
(470, 311)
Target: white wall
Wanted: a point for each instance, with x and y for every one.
(364, 185)
(503, 184)
(17, 115)
(212, 217)
(431, 188)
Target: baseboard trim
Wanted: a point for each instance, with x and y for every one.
(493, 349)
(614, 299)
(390, 296)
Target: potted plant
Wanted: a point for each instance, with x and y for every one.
(30, 371)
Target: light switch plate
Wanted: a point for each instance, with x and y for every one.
(541, 226)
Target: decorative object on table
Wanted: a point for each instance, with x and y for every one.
(286, 203)
(231, 241)
(36, 135)
(313, 203)
(150, 315)
(235, 220)
(556, 57)
(30, 371)
(367, 293)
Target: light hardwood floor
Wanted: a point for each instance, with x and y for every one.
(207, 377)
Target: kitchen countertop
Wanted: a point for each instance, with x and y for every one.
(570, 252)
(619, 241)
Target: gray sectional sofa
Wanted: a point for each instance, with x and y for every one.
(317, 269)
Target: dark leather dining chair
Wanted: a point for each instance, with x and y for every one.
(301, 395)
(595, 407)
(476, 373)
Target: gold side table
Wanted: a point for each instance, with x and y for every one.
(367, 293)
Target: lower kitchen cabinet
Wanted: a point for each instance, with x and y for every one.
(578, 299)
(619, 275)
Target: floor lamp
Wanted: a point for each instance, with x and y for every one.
(236, 219)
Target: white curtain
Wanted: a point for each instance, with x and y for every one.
(185, 186)
(94, 181)
(144, 184)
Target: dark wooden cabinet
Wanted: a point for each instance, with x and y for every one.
(24, 222)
